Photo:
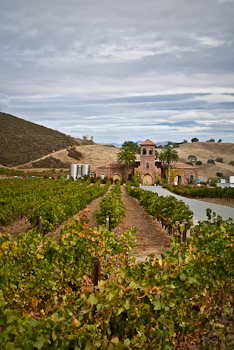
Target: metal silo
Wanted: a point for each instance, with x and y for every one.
(85, 169)
(73, 171)
(79, 170)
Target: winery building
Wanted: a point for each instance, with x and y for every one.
(148, 169)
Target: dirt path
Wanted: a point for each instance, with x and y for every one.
(151, 238)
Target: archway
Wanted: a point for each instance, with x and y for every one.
(177, 179)
(191, 178)
(116, 177)
(147, 180)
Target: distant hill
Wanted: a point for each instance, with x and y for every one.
(208, 150)
(22, 141)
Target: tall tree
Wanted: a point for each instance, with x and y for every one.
(168, 155)
(133, 145)
(126, 155)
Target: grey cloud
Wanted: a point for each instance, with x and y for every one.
(111, 68)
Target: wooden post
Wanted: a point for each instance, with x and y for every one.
(40, 223)
(218, 223)
(108, 223)
(184, 234)
(97, 272)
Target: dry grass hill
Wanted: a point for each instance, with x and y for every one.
(209, 150)
(29, 146)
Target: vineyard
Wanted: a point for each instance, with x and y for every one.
(48, 201)
(226, 193)
(47, 296)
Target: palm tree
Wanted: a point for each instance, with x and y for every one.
(168, 154)
(126, 155)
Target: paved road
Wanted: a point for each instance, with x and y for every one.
(198, 207)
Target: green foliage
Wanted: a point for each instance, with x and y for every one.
(192, 158)
(133, 146)
(168, 155)
(52, 200)
(195, 139)
(218, 159)
(198, 162)
(231, 162)
(190, 163)
(166, 303)
(210, 161)
(170, 208)
(111, 205)
(219, 174)
(211, 140)
(127, 156)
(203, 192)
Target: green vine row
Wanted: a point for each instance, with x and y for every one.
(202, 192)
(111, 206)
(48, 300)
(174, 211)
(51, 201)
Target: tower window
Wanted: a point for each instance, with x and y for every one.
(144, 151)
(150, 151)
(147, 165)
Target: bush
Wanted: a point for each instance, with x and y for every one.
(218, 159)
(190, 163)
(231, 163)
(219, 174)
(210, 161)
(192, 158)
(211, 140)
(198, 162)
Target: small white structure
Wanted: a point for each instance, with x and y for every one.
(87, 138)
(231, 181)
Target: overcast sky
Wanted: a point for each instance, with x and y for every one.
(120, 70)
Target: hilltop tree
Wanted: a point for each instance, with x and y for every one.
(194, 139)
(126, 155)
(169, 154)
(132, 145)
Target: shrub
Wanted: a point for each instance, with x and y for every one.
(192, 158)
(231, 162)
(198, 162)
(210, 161)
(218, 159)
(219, 174)
(211, 140)
(190, 163)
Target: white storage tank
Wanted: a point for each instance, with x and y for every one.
(85, 169)
(73, 171)
(231, 180)
(88, 138)
(79, 170)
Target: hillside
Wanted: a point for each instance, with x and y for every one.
(22, 141)
(208, 150)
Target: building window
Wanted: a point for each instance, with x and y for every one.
(150, 151)
(144, 151)
(147, 165)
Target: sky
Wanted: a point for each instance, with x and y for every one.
(125, 70)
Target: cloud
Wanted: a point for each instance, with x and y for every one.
(118, 70)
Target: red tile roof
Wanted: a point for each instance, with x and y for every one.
(147, 143)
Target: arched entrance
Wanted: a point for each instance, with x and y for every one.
(116, 177)
(177, 179)
(147, 180)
